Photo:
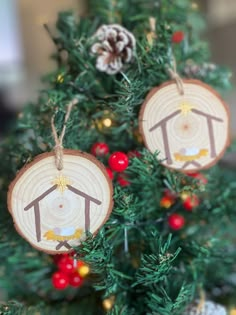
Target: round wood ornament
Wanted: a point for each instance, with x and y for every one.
(190, 130)
(54, 209)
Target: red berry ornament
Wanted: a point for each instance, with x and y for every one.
(110, 173)
(122, 180)
(57, 258)
(99, 149)
(118, 161)
(191, 202)
(176, 221)
(60, 280)
(75, 280)
(177, 37)
(66, 265)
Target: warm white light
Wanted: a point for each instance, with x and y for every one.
(107, 122)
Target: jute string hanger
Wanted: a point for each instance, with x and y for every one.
(172, 71)
(58, 148)
(175, 76)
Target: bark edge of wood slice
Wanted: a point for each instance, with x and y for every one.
(190, 131)
(53, 209)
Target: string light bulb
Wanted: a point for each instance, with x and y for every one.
(166, 202)
(84, 271)
(60, 78)
(108, 303)
(184, 195)
(105, 122)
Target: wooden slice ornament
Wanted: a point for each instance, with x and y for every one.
(53, 207)
(188, 124)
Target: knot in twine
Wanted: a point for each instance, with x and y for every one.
(175, 76)
(58, 148)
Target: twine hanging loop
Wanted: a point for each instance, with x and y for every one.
(58, 148)
(202, 301)
(175, 76)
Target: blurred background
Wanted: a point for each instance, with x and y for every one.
(25, 47)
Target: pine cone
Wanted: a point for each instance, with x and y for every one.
(115, 46)
(209, 308)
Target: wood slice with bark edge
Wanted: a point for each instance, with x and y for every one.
(49, 159)
(187, 83)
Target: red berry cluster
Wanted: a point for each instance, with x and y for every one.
(117, 161)
(100, 149)
(189, 202)
(70, 272)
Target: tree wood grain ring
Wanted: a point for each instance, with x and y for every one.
(53, 209)
(190, 131)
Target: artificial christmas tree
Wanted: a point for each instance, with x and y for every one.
(155, 251)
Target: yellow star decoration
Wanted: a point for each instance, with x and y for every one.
(61, 182)
(185, 108)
